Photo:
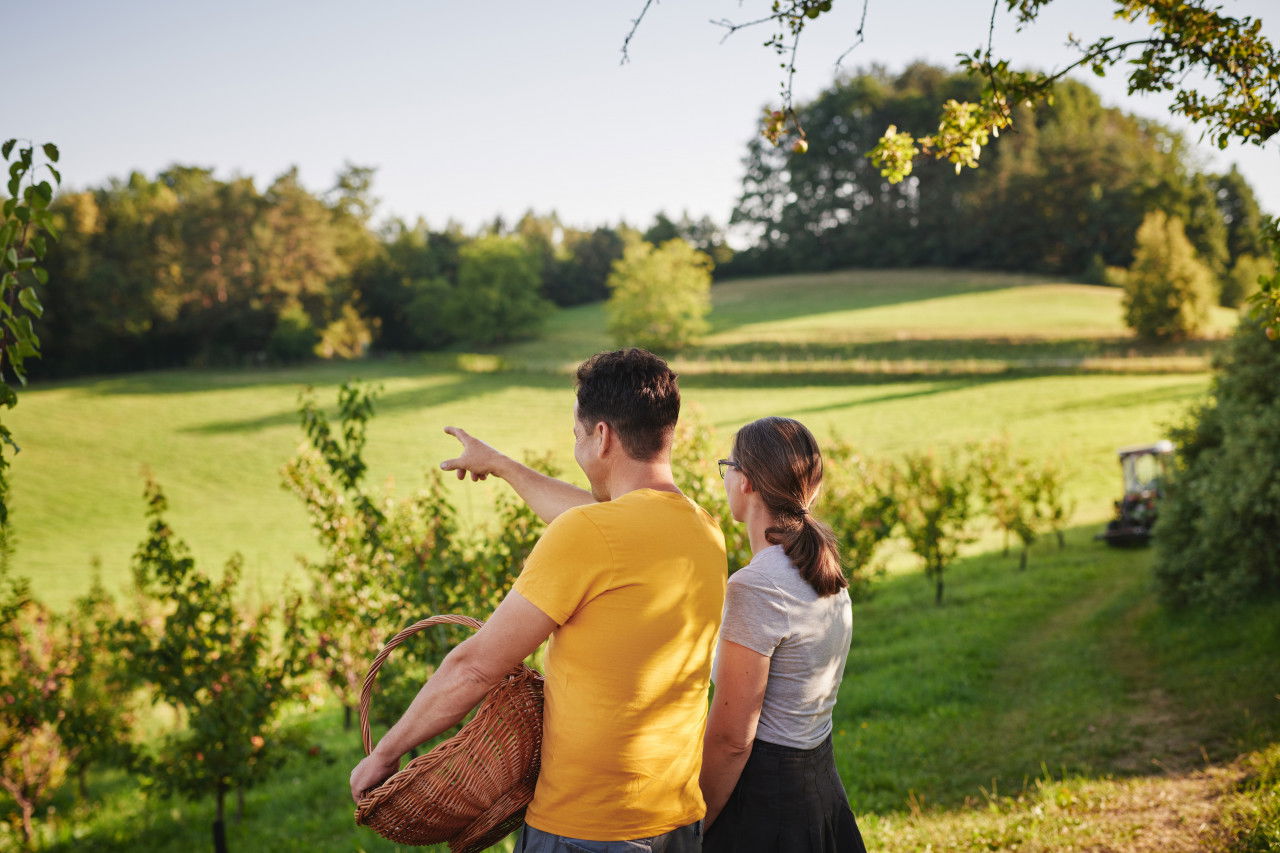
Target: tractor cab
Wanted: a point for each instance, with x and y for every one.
(1145, 468)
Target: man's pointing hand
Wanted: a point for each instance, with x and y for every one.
(477, 458)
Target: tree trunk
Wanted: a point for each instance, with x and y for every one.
(1062, 540)
(239, 804)
(346, 718)
(219, 823)
(28, 828)
(937, 590)
(1022, 563)
(82, 783)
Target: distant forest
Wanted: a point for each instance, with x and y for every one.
(185, 268)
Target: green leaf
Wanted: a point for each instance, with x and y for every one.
(7, 280)
(27, 296)
(41, 274)
(51, 151)
(57, 176)
(9, 205)
(7, 148)
(38, 245)
(11, 258)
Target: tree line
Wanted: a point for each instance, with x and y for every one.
(186, 268)
(1063, 192)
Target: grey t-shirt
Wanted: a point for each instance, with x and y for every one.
(772, 610)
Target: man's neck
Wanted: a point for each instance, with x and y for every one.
(633, 476)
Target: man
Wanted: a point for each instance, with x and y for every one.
(628, 581)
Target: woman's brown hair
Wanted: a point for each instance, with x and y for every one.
(782, 460)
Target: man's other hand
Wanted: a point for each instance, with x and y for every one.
(370, 773)
(477, 458)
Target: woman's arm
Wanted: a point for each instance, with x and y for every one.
(741, 676)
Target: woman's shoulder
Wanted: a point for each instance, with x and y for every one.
(769, 568)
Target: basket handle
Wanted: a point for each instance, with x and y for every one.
(366, 692)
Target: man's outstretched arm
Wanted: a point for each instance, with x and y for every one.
(513, 632)
(546, 496)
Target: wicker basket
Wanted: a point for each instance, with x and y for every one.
(472, 790)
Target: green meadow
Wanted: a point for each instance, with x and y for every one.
(890, 360)
(1056, 708)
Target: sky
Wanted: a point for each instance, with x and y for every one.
(468, 110)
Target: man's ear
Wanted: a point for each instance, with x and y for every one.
(604, 434)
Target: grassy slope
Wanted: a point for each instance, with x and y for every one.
(216, 439)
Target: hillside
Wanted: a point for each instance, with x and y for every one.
(891, 360)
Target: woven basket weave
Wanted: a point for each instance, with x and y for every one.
(472, 790)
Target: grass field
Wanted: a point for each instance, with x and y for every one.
(891, 360)
(1057, 708)
(1051, 709)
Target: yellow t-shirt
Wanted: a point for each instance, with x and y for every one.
(637, 586)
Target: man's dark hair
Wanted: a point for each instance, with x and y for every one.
(636, 394)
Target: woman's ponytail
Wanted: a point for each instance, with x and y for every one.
(782, 460)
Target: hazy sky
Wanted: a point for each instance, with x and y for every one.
(469, 109)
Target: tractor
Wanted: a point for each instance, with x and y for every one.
(1145, 468)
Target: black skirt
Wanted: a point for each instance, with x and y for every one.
(787, 801)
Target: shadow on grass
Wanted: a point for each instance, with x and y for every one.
(459, 387)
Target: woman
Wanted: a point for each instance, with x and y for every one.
(768, 773)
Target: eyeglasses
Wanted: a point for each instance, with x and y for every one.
(726, 464)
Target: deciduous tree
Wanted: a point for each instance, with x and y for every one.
(660, 297)
(1167, 289)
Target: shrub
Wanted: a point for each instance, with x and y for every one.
(660, 296)
(936, 505)
(388, 562)
(98, 712)
(214, 661)
(1010, 493)
(858, 500)
(1167, 290)
(34, 680)
(1242, 281)
(426, 324)
(348, 336)
(1055, 508)
(498, 294)
(294, 337)
(1216, 541)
